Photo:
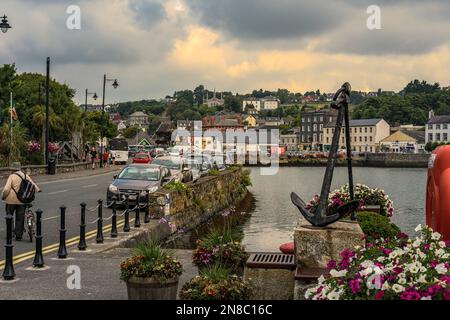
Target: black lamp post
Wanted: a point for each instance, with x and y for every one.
(47, 101)
(115, 85)
(89, 93)
(4, 25)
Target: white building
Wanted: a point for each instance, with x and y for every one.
(255, 102)
(437, 129)
(271, 103)
(266, 103)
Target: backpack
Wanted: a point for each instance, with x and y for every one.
(26, 193)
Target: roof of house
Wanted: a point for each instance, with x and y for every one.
(439, 119)
(406, 136)
(138, 114)
(358, 123)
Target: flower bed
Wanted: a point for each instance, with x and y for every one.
(364, 194)
(388, 270)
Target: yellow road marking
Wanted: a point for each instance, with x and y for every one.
(70, 242)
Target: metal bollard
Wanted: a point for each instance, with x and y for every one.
(147, 208)
(8, 272)
(82, 246)
(38, 261)
(99, 238)
(62, 251)
(126, 226)
(114, 233)
(137, 220)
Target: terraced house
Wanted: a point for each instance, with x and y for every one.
(366, 134)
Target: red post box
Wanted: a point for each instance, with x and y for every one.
(438, 191)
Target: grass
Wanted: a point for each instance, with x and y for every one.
(151, 251)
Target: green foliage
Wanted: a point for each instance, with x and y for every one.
(216, 283)
(130, 132)
(376, 226)
(177, 186)
(246, 180)
(16, 151)
(431, 146)
(214, 172)
(149, 260)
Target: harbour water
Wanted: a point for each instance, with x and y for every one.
(274, 217)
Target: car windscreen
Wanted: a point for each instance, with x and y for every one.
(141, 156)
(138, 173)
(168, 163)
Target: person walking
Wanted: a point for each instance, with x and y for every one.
(106, 158)
(17, 193)
(93, 154)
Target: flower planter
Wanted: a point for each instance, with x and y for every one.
(151, 289)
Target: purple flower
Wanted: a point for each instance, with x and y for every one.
(434, 290)
(410, 294)
(379, 295)
(354, 286)
(331, 265)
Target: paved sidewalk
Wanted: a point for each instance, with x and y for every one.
(100, 277)
(70, 175)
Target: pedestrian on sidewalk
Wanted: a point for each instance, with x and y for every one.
(11, 194)
(93, 157)
(106, 158)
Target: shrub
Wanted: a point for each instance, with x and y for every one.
(149, 260)
(177, 186)
(214, 172)
(216, 283)
(246, 180)
(364, 194)
(390, 270)
(376, 226)
(220, 245)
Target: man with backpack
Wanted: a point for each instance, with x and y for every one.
(18, 192)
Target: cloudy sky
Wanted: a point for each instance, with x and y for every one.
(155, 47)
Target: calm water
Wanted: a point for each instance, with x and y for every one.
(274, 218)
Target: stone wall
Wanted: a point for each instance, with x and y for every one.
(408, 160)
(35, 170)
(202, 199)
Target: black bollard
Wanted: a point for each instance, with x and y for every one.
(8, 272)
(38, 261)
(82, 246)
(62, 251)
(114, 233)
(99, 238)
(147, 208)
(126, 226)
(137, 220)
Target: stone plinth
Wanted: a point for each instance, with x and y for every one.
(314, 247)
(271, 284)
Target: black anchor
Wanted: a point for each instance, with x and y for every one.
(322, 216)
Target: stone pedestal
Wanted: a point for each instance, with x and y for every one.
(271, 284)
(315, 247)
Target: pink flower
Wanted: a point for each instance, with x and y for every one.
(410, 294)
(354, 286)
(331, 265)
(446, 294)
(379, 295)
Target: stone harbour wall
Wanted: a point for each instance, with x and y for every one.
(201, 200)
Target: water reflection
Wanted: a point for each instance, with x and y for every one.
(274, 217)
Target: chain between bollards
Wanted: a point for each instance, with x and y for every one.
(137, 219)
(114, 233)
(62, 250)
(126, 226)
(8, 272)
(38, 261)
(82, 246)
(99, 238)
(147, 207)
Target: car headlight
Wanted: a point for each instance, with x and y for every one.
(152, 189)
(113, 188)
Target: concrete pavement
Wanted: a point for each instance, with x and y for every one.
(99, 277)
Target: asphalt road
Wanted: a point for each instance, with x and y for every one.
(69, 193)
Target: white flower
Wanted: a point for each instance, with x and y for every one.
(367, 263)
(439, 252)
(333, 295)
(441, 269)
(310, 292)
(398, 288)
(366, 271)
(413, 268)
(374, 282)
(436, 236)
(417, 243)
(385, 286)
(321, 279)
(418, 228)
(426, 298)
(402, 280)
(338, 274)
(442, 244)
(381, 259)
(445, 256)
(422, 279)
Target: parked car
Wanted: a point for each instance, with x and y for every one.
(136, 179)
(142, 157)
(196, 167)
(178, 167)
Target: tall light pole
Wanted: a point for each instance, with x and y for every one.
(115, 85)
(85, 100)
(47, 87)
(4, 25)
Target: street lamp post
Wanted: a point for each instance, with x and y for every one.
(115, 85)
(89, 93)
(4, 25)
(47, 87)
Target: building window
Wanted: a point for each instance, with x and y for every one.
(303, 138)
(331, 119)
(371, 129)
(365, 129)
(365, 139)
(371, 149)
(445, 137)
(303, 120)
(360, 139)
(445, 126)
(314, 137)
(438, 127)
(328, 131)
(438, 137)
(321, 127)
(321, 119)
(328, 140)
(371, 139)
(315, 127)
(356, 130)
(430, 137)
(360, 130)
(430, 126)
(321, 138)
(356, 139)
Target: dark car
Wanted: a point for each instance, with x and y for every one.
(135, 179)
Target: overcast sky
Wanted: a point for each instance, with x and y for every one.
(155, 47)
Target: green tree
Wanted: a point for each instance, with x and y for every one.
(15, 151)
